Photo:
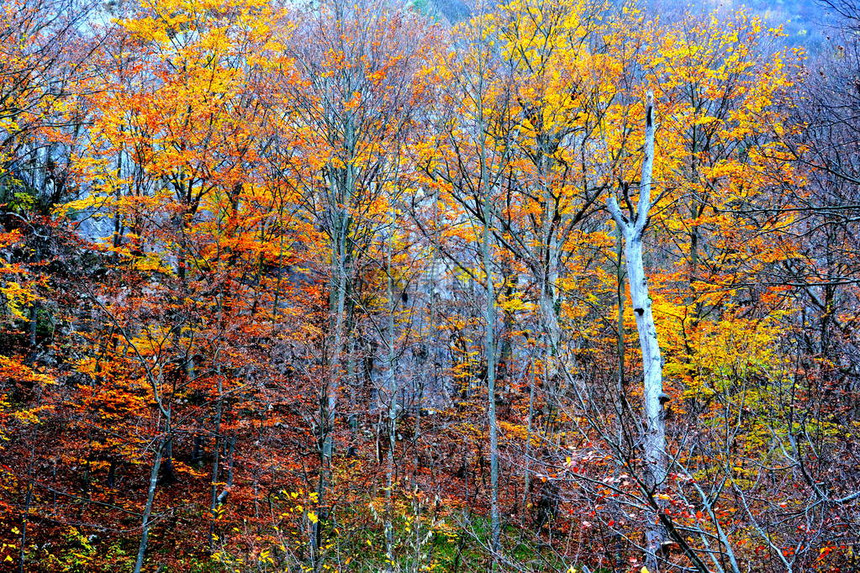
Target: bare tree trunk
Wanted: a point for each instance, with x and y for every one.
(28, 500)
(490, 354)
(328, 401)
(216, 463)
(654, 443)
(621, 405)
(147, 510)
(528, 453)
(490, 321)
(391, 388)
(339, 190)
(548, 306)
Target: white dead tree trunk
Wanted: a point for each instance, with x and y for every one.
(654, 443)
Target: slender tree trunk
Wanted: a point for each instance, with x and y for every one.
(216, 462)
(28, 500)
(548, 306)
(528, 454)
(117, 217)
(621, 404)
(147, 510)
(490, 354)
(654, 442)
(391, 388)
(328, 400)
(489, 318)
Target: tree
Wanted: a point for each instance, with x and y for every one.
(348, 108)
(468, 167)
(633, 229)
(178, 123)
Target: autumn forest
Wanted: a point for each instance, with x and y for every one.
(563, 286)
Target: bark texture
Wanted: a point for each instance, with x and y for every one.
(654, 440)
